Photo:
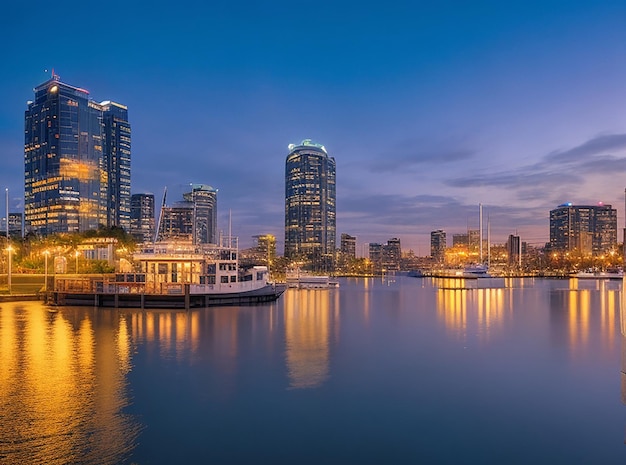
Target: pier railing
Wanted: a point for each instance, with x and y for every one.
(109, 285)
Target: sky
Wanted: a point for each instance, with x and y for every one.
(429, 108)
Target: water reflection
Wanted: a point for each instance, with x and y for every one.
(62, 387)
(308, 315)
(174, 333)
(478, 311)
(577, 313)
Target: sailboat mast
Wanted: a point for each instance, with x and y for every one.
(480, 230)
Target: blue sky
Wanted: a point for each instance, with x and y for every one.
(429, 108)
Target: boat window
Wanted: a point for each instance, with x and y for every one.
(233, 279)
(224, 279)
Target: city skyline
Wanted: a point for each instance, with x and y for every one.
(427, 110)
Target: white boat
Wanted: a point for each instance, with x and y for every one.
(470, 277)
(595, 274)
(172, 275)
(298, 279)
(470, 271)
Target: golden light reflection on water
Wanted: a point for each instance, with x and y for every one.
(52, 410)
(465, 311)
(308, 315)
(175, 333)
(587, 307)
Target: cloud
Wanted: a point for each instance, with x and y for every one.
(599, 145)
(555, 169)
(418, 151)
(522, 178)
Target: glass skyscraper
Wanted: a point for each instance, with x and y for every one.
(76, 161)
(204, 200)
(310, 215)
(142, 217)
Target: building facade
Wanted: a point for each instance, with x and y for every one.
(142, 217)
(265, 248)
(310, 205)
(438, 245)
(514, 250)
(588, 229)
(176, 222)
(348, 246)
(385, 257)
(391, 255)
(76, 161)
(204, 201)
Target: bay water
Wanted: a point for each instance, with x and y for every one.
(378, 371)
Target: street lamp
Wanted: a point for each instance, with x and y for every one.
(76, 254)
(45, 283)
(10, 252)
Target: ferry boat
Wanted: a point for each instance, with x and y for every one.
(172, 275)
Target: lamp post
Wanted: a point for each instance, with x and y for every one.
(76, 254)
(45, 283)
(10, 252)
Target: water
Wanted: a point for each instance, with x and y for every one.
(373, 372)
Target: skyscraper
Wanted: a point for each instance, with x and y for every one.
(392, 255)
(310, 215)
(514, 250)
(438, 245)
(76, 161)
(142, 217)
(586, 229)
(204, 200)
(348, 246)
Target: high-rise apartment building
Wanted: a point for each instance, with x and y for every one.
(375, 254)
(514, 250)
(176, 222)
(265, 247)
(385, 257)
(391, 255)
(194, 219)
(586, 229)
(142, 217)
(348, 246)
(204, 201)
(76, 161)
(310, 215)
(438, 245)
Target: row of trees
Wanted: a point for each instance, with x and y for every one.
(30, 254)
